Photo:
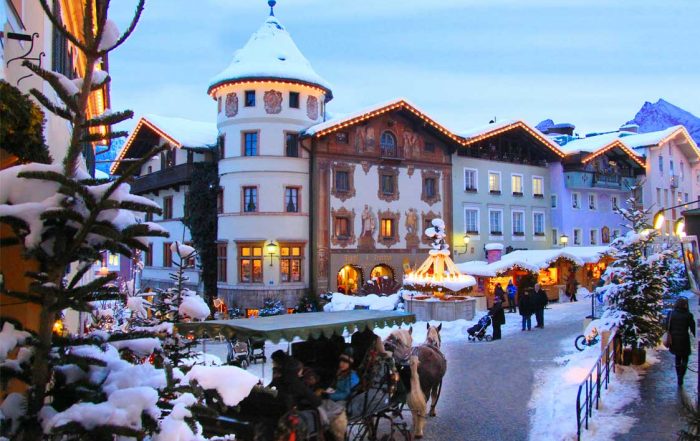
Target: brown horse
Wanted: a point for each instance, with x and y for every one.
(432, 366)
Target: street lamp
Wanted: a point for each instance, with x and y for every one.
(271, 248)
(465, 240)
(659, 219)
(679, 228)
(564, 240)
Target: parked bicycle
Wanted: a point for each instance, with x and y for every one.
(583, 341)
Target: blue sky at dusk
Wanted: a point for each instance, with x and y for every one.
(592, 63)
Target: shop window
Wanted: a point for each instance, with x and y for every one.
(381, 271)
(168, 207)
(292, 145)
(349, 279)
(291, 199)
(250, 259)
(221, 262)
(291, 257)
(250, 199)
(167, 255)
(294, 100)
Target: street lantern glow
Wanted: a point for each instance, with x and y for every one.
(679, 227)
(564, 239)
(659, 219)
(271, 248)
(466, 239)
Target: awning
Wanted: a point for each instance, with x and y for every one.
(305, 325)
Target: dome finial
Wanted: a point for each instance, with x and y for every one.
(272, 4)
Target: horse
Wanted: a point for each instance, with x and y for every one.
(432, 366)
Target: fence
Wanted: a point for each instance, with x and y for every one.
(596, 381)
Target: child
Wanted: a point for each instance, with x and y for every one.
(346, 379)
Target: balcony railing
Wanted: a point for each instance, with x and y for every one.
(169, 177)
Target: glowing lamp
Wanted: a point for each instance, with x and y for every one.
(58, 327)
(564, 239)
(659, 220)
(679, 227)
(466, 239)
(104, 271)
(271, 248)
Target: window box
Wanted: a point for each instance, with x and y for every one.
(518, 233)
(496, 192)
(517, 193)
(473, 232)
(539, 234)
(539, 196)
(496, 233)
(470, 190)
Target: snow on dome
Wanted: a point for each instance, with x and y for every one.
(493, 246)
(270, 53)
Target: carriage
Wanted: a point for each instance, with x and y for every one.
(374, 411)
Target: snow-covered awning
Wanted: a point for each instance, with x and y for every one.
(533, 260)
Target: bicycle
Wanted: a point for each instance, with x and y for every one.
(583, 341)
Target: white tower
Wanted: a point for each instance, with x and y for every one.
(265, 97)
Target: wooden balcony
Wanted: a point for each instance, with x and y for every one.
(162, 179)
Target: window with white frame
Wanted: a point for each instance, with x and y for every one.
(538, 186)
(592, 201)
(496, 222)
(538, 223)
(516, 184)
(614, 202)
(518, 218)
(555, 237)
(593, 239)
(555, 201)
(577, 236)
(470, 179)
(495, 182)
(576, 200)
(471, 220)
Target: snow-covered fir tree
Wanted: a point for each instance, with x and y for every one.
(634, 298)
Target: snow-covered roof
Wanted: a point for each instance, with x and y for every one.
(375, 110)
(590, 144)
(533, 260)
(270, 53)
(478, 133)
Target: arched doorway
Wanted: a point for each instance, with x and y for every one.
(350, 279)
(380, 271)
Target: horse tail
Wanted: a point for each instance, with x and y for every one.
(416, 399)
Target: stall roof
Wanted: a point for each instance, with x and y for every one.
(305, 326)
(533, 260)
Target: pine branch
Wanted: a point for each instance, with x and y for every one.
(129, 30)
(82, 270)
(114, 118)
(52, 79)
(96, 137)
(50, 106)
(22, 296)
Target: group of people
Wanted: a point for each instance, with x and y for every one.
(528, 300)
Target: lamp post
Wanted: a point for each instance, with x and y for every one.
(271, 248)
(564, 240)
(465, 240)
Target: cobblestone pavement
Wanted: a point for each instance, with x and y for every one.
(488, 385)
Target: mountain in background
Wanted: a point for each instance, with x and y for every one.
(109, 155)
(662, 115)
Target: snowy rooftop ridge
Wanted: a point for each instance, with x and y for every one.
(270, 53)
(186, 132)
(483, 131)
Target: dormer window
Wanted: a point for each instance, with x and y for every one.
(250, 98)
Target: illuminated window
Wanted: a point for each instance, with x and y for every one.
(113, 260)
(250, 98)
(387, 230)
(495, 182)
(251, 263)
(342, 227)
(537, 186)
(291, 257)
(516, 184)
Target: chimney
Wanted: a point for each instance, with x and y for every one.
(630, 127)
(494, 251)
(562, 129)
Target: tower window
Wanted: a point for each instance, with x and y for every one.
(250, 98)
(294, 100)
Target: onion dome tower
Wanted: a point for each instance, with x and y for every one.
(265, 98)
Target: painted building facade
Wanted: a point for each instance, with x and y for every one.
(501, 189)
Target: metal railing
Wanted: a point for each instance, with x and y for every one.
(596, 381)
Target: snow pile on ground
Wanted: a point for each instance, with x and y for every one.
(554, 397)
(342, 302)
(194, 306)
(232, 383)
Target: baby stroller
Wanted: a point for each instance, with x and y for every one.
(478, 331)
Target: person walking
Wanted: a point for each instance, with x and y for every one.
(511, 296)
(498, 294)
(498, 318)
(540, 300)
(571, 288)
(526, 307)
(678, 323)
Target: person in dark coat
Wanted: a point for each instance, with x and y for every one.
(498, 294)
(527, 307)
(291, 390)
(511, 296)
(540, 301)
(679, 322)
(498, 318)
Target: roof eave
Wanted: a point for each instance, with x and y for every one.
(253, 79)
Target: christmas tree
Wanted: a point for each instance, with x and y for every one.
(635, 299)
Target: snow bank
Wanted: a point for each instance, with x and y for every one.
(342, 302)
(232, 383)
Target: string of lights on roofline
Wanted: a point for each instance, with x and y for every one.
(616, 143)
(143, 121)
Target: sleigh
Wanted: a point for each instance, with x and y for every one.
(373, 409)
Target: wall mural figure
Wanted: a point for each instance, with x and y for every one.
(368, 225)
(273, 102)
(411, 143)
(364, 139)
(605, 233)
(231, 106)
(312, 108)
(412, 239)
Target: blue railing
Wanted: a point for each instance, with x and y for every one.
(596, 381)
